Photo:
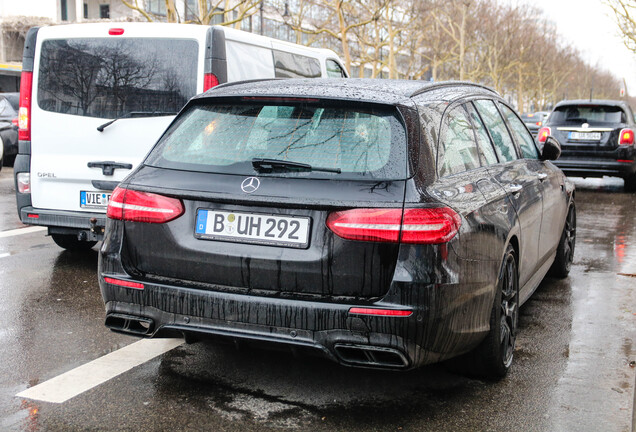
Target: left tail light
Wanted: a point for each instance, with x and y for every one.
(419, 226)
(544, 133)
(23, 180)
(24, 113)
(626, 137)
(135, 206)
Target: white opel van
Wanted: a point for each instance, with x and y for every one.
(95, 97)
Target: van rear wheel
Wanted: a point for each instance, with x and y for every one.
(71, 243)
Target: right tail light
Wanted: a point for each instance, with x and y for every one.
(626, 137)
(416, 225)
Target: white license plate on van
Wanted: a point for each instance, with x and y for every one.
(589, 136)
(96, 200)
(253, 228)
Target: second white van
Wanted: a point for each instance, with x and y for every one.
(94, 98)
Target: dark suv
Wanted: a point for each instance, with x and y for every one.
(380, 223)
(597, 139)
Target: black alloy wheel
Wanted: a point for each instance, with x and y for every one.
(493, 357)
(565, 250)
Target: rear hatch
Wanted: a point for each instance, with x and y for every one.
(84, 77)
(589, 131)
(254, 219)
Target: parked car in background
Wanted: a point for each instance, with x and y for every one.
(381, 223)
(95, 98)
(597, 139)
(534, 121)
(9, 103)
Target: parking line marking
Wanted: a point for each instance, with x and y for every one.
(15, 232)
(83, 378)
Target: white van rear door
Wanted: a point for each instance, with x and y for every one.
(84, 79)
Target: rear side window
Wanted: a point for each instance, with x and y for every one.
(483, 140)
(498, 131)
(457, 149)
(334, 70)
(521, 134)
(288, 65)
(591, 114)
(225, 138)
(108, 78)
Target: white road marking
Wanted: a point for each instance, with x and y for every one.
(83, 378)
(15, 232)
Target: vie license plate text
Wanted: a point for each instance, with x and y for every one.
(252, 228)
(97, 200)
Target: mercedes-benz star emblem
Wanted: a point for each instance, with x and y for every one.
(250, 184)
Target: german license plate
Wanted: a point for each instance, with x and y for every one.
(589, 136)
(96, 200)
(253, 228)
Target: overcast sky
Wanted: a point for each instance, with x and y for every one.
(589, 25)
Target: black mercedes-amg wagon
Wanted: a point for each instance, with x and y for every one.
(385, 224)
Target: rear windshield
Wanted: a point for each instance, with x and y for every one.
(591, 114)
(114, 77)
(226, 138)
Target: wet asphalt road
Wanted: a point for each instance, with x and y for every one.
(571, 373)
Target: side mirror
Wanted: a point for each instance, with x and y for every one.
(551, 149)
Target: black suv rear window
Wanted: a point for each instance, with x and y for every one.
(591, 114)
(108, 78)
(226, 138)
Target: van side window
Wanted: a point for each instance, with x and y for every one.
(483, 140)
(288, 65)
(458, 149)
(334, 70)
(521, 134)
(504, 145)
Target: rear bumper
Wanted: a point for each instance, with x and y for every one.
(596, 168)
(66, 222)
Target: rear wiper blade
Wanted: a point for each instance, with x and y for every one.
(133, 114)
(269, 165)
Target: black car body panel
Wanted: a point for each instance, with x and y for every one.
(175, 282)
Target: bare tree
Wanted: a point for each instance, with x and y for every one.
(625, 13)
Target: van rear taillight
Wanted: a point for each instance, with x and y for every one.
(135, 206)
(418, 226)
(24, 182)
(626, 137)
(116, 31)
(24, 114)
(209, 80)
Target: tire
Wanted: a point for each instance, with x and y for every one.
(1, 162)
(565, 251)
(493, 357)
(71, 243)
(630, 184)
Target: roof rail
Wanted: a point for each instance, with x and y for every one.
(443, 84)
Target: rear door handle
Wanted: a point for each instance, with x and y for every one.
(514, 188)
(542, 176)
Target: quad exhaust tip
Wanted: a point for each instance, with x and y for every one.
(371, 356)
(129, 324)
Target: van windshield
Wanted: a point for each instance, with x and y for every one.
(108, 78)
(351, 142)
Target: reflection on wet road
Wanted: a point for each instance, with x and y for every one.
(572, 363)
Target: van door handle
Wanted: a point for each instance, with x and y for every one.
(514, 188)
(109, 167)
(542, 176)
